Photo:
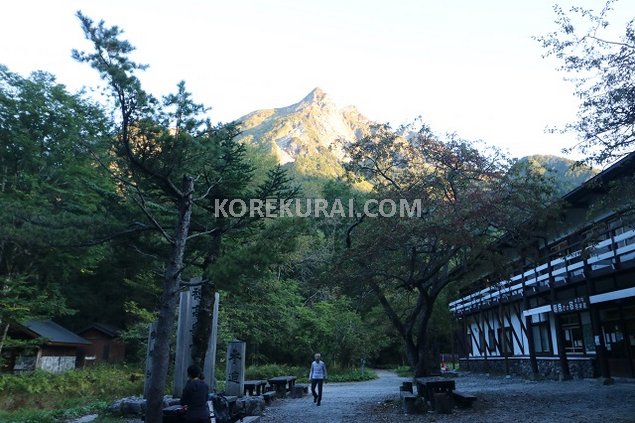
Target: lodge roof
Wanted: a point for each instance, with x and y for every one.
(106, 329)
(53, 333)
(620, 168)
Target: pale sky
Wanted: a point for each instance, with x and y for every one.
(464, 66)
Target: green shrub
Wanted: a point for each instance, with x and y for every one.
(267, 371)
(351, 375)
(335, 373)
(404, 371)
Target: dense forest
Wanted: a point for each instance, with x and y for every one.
(74, 248)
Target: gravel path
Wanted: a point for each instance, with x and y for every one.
(341, 402)
(500, 399)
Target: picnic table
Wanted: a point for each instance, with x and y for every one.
(279, 384)
(257, 385)
(428, 386)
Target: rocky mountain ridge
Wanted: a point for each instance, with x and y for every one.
(308, 137)
(314, 125)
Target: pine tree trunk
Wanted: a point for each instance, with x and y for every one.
(203, 325)
(201, 330)
(169, 302)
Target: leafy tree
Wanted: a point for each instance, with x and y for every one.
(172, 163)
(602, 66)
(603, 70)
(50, 193)
(469, 199)
(566, 174)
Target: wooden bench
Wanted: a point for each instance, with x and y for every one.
(406, 386)
(257, 385)
(463, 399)
(279, 384)
(428, 387)
(269, 396)
(409, 402)
(443, 403)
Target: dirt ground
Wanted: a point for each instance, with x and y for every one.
(500, 399)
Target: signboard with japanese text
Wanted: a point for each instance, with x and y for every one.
(574, 304)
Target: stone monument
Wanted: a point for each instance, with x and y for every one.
(235, 374)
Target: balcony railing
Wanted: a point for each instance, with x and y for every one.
(604, 254)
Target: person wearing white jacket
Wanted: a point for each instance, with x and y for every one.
(317, 375)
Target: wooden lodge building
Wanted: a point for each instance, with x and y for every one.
(569, 313)
(106, 344)
(56, 351)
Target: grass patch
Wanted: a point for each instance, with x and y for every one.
(41, 397)
(65, 410)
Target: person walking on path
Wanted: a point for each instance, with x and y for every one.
(317, 375)
(194, 397)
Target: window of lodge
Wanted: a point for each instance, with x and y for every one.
(572, 331)
(541, 332)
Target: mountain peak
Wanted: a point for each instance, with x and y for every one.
(309, 130)
(316, 95)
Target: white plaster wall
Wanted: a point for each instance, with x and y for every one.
(56, 364)
(521, 335)
(474, 330)
(494, 324)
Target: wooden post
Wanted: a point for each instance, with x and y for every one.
(152, 332)
(565, 374)
(453, 345)
(468, 340)
(485, 345)
(503, 337)
(490, 329)
(210, 356)
(631, 358)
(596, 327)
(511, 308)
(529, 329)
(562, 354)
